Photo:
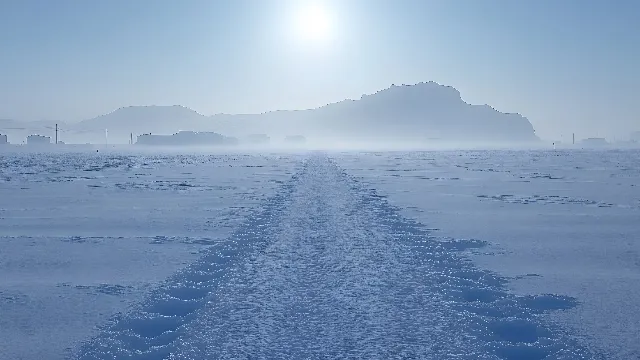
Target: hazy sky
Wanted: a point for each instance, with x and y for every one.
(566, 65)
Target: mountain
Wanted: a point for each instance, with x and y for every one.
(140, 119)
(420, 112)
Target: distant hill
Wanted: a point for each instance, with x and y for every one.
(420, 112)
(140, 119)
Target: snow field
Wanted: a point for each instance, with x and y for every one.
(564, 222)
(85, 236)
(327, 268)
(430, 255)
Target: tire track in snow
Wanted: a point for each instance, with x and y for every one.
(150, 330)
(330, 270)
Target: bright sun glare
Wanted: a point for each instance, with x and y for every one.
(313, 23)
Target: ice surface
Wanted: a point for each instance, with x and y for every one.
(433, 255)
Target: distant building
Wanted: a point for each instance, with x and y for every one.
(594, 142)
(3, 139)
(185, 138)
(38, 140)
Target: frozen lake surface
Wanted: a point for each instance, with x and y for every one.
(421, 255)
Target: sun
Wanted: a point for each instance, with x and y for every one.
(313, 23)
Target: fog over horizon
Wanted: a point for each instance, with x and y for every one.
(426, 115)
(67, 62)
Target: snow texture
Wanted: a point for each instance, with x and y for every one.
(85, 236)
(562, 222)
(317, 256)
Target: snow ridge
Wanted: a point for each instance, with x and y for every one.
(329, 269)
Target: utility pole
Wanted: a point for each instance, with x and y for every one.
(574, 138)
(56, 134)
(131, 139)
(106, 138)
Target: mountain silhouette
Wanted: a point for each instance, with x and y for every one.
(140, 119)
(410, 113)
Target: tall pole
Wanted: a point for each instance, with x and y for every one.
(131, 139)
(106, 138)
(574, 138)
(56, 134)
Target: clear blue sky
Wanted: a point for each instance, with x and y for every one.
(567, 65)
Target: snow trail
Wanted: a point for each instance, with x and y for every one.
(328, 269)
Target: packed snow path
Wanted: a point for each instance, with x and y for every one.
(328, 269)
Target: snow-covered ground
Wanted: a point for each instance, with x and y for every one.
(435, 255)
(562, 222)
(83, 236)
